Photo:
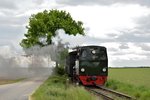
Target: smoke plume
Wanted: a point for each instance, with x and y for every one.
(31, 62)
(14, 65)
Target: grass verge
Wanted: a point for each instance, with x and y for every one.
(139, 92)
(54, 88)
(134, 76)
(6, 81)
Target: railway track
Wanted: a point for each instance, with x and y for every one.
(108, 94)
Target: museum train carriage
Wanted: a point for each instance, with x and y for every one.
(88, 65)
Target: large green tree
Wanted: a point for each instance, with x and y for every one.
(43, 26)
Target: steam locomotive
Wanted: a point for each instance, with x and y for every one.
(88, 65)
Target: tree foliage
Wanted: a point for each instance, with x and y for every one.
(43, 25)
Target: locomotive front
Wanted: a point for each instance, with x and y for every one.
(88, 65)
(93, 65)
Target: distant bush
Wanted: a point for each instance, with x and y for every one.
(60, 63)
(59, 70)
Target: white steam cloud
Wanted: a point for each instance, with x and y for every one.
(17, 65)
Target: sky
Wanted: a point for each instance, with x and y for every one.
(122, 26)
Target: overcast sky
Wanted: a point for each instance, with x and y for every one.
(123, 26)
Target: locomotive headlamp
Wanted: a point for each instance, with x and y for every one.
(82, 69)
(104, 69)
(93, 51)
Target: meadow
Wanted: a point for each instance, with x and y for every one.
(132, 81)
(133, 76)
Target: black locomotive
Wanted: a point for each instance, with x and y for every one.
(88, 65)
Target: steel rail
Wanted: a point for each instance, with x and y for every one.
(103, 95)
(116, 93)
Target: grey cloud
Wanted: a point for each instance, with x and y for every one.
(112, 35)
(8, 4)
(146, 54)
(102, 2)
(38, 2)
(12, 26)
(125, 38)
(143, 25)
(7, 12)
(141, 33)
(118, 53)
(132, 37)
(144, 46)
(78, 40)
(13, 20)
(112, 49)
(10, 32)
(18, 5)
(123, 46)
(4, 42)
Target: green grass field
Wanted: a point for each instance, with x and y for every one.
(133, 76)
(55, 88)
(132, 81)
